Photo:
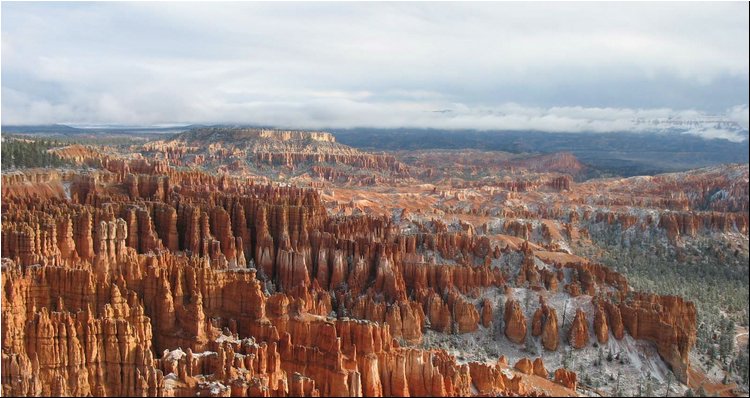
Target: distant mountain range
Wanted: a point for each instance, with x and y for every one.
(665, 145)
(624, 153)
(63, 129)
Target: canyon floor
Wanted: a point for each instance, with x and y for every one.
(258, 262)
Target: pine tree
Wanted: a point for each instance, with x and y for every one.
(649, 391)
(617, 391)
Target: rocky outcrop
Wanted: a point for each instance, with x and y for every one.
(600, 325)
(668, 321)
(536, 322)
(75, 353)
(615, 320)
(566, 378)
(550, 339)
(228, 149)
(515, 322)
(525, 366)
(539, 368)
(579, 330)
(486, 313)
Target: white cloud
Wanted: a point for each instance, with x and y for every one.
(556, 67)
(740, 115)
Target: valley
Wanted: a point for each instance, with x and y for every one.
(220, 261)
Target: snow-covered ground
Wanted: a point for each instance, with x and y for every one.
(635, 361)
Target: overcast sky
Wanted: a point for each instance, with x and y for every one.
(543, 66)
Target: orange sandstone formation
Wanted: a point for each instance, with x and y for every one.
(150, 280)
(600, 325)
(579, 330)
(550, 339)
(515, 322)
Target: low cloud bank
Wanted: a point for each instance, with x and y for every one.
(339, 110)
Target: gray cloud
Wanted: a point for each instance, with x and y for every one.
(542, 66)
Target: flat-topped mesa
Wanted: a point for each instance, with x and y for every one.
(259, 150)
(239, 134)
(288, 135)
(220, 144)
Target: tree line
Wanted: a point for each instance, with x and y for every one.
(20, 153)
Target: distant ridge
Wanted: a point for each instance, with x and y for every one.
(257, 140)
(238, 135)
(41, 128)
(65, 129)
(617, 153)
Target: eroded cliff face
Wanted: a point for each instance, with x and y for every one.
(183, 283)
(150, 280)
(257, 151)
(669, 321)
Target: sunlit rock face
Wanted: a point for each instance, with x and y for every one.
(164, 274)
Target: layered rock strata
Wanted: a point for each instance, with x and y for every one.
(152, 281)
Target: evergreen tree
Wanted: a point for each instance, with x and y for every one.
(20, 153)
(617, 391)
(649, 388)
